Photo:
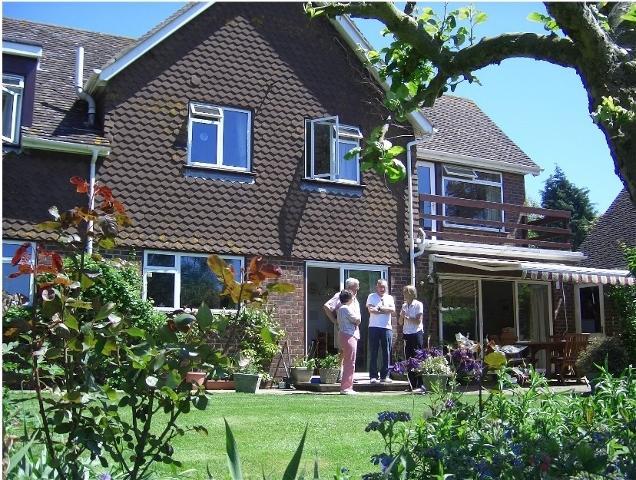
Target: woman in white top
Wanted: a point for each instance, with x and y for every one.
(412, 319)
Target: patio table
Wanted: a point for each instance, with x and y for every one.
(553, 348)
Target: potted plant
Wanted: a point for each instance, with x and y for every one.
(302, 370)
(248, 376)
(435, 372)
(329, 368)
(220, 379)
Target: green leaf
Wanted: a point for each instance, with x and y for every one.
(281, 287)
(159, 361)
(174, 379)
(70, 321)
(86, 282)
(16, 458)
(630, 16)
(292, 468)
(136, 332)
(396, 150)
(109, 347)
(200, 402)
(353, 153)
(110, 392)
(105, 311)
(48, 226)
(107, 243)
(233, 459)
(167, 335)
(481, 17)
(268, 336)
(536, 17)
(204, 316)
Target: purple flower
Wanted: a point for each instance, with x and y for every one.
(105, 476)
(449, 404)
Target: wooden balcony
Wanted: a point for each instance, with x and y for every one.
(521, 226)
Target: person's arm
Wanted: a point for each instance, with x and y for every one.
(388, 306)
(402, 315)
(371, 308)
(330, 310)
(353, 317)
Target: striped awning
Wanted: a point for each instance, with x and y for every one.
(541, 271)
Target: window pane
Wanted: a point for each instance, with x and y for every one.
(323, 146)
(424, 186)
(488, 177)
(160, 260)
(534, 315)
(12, 286)
(9, 249)
(459, 309)
(235, 131)
(475, 192)
(7, 114)
(199, 284)
(160, 288)
(204, 143)
(348, 168)
(498, 309)
(590, 310)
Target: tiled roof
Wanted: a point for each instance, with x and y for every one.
(617, 225)
(464, 129)
(57, 113)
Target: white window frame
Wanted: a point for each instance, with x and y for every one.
(480, 300)
(17, 91)
(176, 271)
(33, 254)
(347, 134)
(211, 118)
(577, 307)
(474, 180)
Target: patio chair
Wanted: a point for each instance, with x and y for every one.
(565, 362)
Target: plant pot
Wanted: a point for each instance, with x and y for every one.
(329, 375)
(195, 378)
(246, 382)
(434, 382)
(220, 385)
(301, 374)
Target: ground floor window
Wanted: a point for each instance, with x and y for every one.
(589, 309)
(506, 311)
(184, 280)
(22, 285)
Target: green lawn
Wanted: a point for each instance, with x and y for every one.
(268, 428)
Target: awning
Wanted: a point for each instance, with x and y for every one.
(541, 271)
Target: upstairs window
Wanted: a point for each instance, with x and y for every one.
(327, 143)
(472, 184)
(184, 280)
(219, 137)
(12, 92)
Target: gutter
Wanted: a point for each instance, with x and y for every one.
(459, 159)
(38, 143)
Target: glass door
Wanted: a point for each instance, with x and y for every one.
(367, 279)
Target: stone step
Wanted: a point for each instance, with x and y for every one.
(361, 384)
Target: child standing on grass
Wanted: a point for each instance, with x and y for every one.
(348, 334)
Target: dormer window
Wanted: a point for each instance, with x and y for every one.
(327, 143)
(219, 137)
(12, 93)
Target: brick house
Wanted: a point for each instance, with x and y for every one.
(223, 130)
(602, 247)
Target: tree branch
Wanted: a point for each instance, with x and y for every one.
(493, 50)
(403, 26)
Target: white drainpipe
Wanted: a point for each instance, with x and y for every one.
(91, 196)
(409, 176)
(79, 86)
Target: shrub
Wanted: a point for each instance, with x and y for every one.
(624, 299)
(609, 352)
(529, 434)
(330, 361)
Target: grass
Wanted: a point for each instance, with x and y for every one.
(268, 429)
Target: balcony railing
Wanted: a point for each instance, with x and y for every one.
(522, 226)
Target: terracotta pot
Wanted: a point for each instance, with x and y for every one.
(220, 385)
(195, 378)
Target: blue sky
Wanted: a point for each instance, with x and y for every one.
(542, 107)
